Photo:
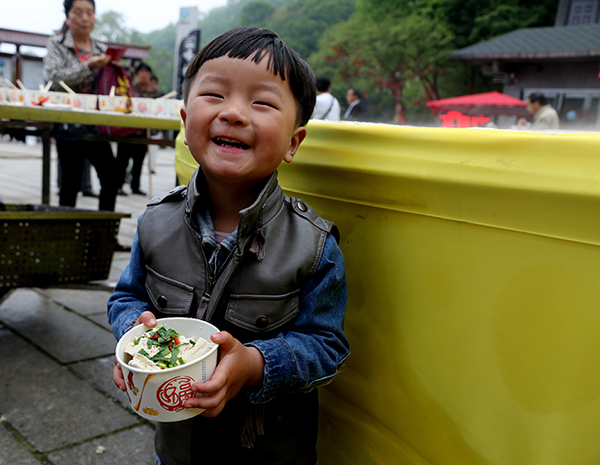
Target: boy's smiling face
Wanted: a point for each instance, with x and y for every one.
(240, 121)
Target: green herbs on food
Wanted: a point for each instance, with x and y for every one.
(167, 341)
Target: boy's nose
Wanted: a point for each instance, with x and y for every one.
(234, 113)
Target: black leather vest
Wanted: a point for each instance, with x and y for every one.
(255, 294)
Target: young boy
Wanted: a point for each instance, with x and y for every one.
(232, 249)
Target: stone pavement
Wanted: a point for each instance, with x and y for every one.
(58, 404)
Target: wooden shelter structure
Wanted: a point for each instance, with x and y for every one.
(560, 61)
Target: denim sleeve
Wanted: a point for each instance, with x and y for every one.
(129, 299)
(310, 354)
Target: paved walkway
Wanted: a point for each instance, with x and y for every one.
(58, 404)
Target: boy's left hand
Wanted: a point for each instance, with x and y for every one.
(239, 366)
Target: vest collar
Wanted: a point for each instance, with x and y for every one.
(265, 207)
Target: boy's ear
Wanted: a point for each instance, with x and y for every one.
(183, 117)
(297, 137)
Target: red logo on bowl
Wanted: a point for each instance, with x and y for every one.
(173, 393)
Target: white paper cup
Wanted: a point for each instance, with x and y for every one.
(143, 106)
(159, 107)
(106, 103)
(121, 104)
(17, 97)
(85, 102)
(37, 98)
(160, 395)
(117, 104)
(66, 98)
(173, 107)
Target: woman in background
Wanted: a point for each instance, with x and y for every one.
(73, 57)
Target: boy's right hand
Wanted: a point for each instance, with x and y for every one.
(146, 318)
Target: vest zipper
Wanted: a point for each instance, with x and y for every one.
(211, 278)
(223, 265)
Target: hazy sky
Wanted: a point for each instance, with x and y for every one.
(44, 16)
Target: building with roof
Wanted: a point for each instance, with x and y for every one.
(28, 67)
(562, 62)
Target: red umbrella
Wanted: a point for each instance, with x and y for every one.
(487, 104)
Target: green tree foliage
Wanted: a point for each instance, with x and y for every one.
(162, 55)
(256, 13)
(388, 55)
(303, 22)
(111, 27)
(381, 9)
(217, 21)
(221, 19)
(298, 30)
(474, 21)
(397, 49)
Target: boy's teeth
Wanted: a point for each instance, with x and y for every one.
(231, 143)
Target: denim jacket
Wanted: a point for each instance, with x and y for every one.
(302, 341)
(309, 351)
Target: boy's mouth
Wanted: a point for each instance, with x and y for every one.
(226, 142)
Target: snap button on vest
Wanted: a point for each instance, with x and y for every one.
(162, 301)
(262, 322)
(301, 206)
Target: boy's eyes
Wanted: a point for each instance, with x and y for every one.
(256, 102)
(267, 104)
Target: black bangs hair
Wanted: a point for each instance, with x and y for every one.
(258, 43)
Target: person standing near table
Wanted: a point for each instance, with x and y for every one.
(153, 149)
(136, 152)
(73, 57)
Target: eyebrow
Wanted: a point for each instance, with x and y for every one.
(213, 79)
(269, 88)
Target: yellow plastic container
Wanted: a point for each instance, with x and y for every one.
(473, 265)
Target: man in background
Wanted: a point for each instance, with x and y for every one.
(327, 106)
(544, 116)
(357, 111)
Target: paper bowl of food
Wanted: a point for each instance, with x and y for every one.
(106, 103)
(142, 106)
(160, 365)
(17, 97)
(114, 103)
(173, 107)
(38, 99)
(85, 102)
